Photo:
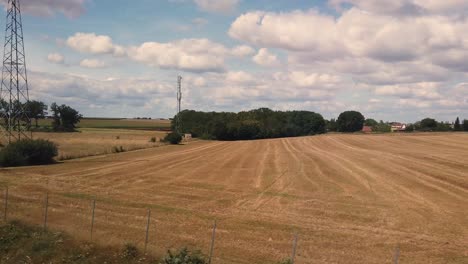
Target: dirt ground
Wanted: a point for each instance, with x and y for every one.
(350, 198)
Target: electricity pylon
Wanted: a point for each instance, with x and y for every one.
(15, 123)
(179, 103)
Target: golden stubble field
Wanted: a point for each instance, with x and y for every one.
(350, 198)
(97, 141)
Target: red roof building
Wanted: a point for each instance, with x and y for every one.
(367, 129)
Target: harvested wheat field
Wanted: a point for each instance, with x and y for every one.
(350, 198)
(97, 141)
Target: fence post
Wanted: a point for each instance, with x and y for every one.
(46, 211)
(293, 256)
(147, 229)
(212, 242)
(396, 258)
(5, 212)
(92, 219)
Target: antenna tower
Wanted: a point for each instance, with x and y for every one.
(179, 102)
(14, 94)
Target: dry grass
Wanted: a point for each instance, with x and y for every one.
(351, 198)
(91, 141)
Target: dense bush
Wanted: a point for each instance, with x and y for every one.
(350, 121)
(465, 125)
(28, 152)
(409, 128)
(382, 127)
(256, 124)
(428, 124)
(184, 256)
(173, 138)
(331, 125)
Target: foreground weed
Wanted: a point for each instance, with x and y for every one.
(184, 256)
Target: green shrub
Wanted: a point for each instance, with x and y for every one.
(286, 261)
(409, 128)
(10, 235)
(173, 138)
(28, 152)
(130, 251)
(184, 256)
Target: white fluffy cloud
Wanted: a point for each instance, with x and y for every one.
(242, 51)
(404, 7)
(95, 44)
(120, 97)
(56, 58)
(266, 58)
(192, 55)
(92, 63)
(402, 55)
(217, 6)
(355, 33)
(428, 91)
(70, 8)
(287, 30)
(196, 55)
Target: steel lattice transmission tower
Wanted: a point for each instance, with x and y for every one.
(15, 123)
(179, 102)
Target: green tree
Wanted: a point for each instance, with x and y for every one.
(383, 127)
(443, 127)
(4, 110)
(457, 126)
(350, 121)
(255, 124)
(36, 110)
(65, 117)
(428, 124)
(14, 113)
(370, 122)
(173, 138)
(332, 125)
(409, 128)
(465, 125)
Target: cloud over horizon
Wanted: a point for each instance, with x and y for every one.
(399, 60)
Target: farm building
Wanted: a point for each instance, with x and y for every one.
(367, 129)
(398, 127)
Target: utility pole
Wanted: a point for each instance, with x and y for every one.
(15, 123)
(179, 103)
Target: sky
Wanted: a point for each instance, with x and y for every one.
(399, 60)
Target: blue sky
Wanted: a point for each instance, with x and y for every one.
(400, 60)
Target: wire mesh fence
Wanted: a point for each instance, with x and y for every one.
(115, 223)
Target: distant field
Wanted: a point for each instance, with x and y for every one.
(117, 123)
(94, 141)
(351, 198)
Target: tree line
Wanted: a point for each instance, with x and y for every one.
(255, 124)
(64, 118)
(265, 123)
